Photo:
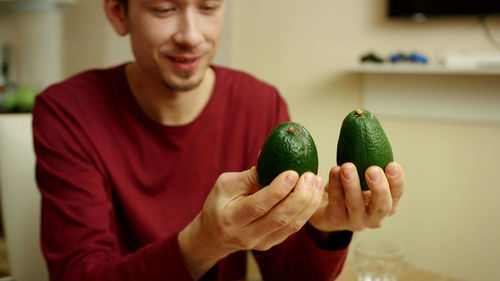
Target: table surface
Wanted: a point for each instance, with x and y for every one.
(408, 273)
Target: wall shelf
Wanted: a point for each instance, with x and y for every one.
(409, 68)
(429, 91)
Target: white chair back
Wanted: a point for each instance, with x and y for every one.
(20, 198)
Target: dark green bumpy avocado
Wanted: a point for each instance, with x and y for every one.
(363, 142)
(289, 146)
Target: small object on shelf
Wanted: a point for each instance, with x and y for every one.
(371, 57)
(412, 57)
(467, 60)
(416, 57)
(398, 57)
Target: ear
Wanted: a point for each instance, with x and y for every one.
(115, 12)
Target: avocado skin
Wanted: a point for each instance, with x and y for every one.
(363, 142)
(284, 151)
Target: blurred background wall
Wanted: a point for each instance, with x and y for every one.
(449, 217)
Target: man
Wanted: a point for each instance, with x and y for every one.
(138, 166)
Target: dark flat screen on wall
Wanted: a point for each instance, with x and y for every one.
(434, 8)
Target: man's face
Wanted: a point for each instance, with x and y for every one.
(175, 40)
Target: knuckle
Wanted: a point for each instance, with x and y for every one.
(280, 220)
(397, 181)
(223, 224)
(358, 227)
(280, 192)
(397, 193)
(221, 182)
(376, 225)
(222, 178)
(303, 198)
(339, 218)
(223, 228)
(295, 226)
(383, 210)
(355, 206)
(258, 210)
(244, 243)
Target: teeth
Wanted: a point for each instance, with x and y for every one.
(183, 60)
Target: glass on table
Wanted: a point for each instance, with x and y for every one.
(377, 260)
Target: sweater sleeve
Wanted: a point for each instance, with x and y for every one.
(78, 236)
(298, 258)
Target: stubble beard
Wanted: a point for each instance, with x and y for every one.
(182, 88)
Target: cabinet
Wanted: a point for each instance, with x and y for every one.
(430, 91)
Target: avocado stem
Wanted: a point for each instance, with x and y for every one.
(292, 131)
(358, 112)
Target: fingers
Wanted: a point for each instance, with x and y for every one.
(354, 201)
(258, 204)
(381, 200)
(336, 199)
(336, 194)
(240, 219)
(291, 214)
(332, 213)
(351, 208)
(365, 208)
(396, 178)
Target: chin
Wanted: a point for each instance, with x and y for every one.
(185, 81)
(183, 86)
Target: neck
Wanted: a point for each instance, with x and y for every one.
(169, 107)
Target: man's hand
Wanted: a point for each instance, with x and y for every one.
(346, 207)
(238, 216)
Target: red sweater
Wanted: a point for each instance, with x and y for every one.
(117, 187)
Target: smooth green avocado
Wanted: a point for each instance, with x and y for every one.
(363, 142)
(289, 146)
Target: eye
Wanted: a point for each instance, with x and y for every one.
(163, 10)
(209, 7)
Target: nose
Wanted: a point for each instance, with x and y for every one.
(188, 33)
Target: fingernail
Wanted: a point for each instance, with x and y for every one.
(335, 172)
(392, 171)
(348, 173)
(291, 178)
(309, 179)
(374, 175)
(319, 183)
